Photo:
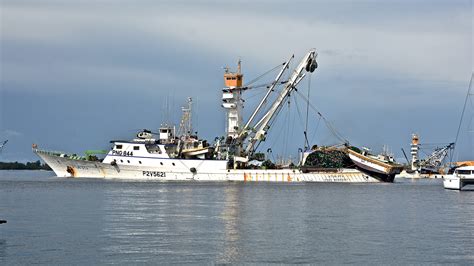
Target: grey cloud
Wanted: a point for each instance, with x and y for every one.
(386, 69)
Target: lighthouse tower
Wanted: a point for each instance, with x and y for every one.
(232, 100)
(414, 152)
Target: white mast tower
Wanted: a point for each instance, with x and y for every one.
(232, 100)
(414, 152)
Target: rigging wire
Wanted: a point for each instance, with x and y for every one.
(316, 130)
(463, 110)
(306, 145)
(328, 124)
(261, 76)
(303, 127)
(259, 93)
(299, 112)
(286, 136)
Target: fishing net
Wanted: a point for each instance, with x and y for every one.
(328, 158)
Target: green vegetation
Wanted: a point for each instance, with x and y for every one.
(21, 166)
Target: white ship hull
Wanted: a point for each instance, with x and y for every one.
(461, 177)
(452, 182)
(200, 170)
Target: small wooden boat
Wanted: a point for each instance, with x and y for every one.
(381, 166)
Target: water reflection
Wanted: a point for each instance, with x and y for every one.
(171, 222)
(70, 221)
(230, 216)
(3, 248)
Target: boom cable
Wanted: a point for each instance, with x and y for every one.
(463, 110)
(328, 124)
(306, 145)
(261, 76)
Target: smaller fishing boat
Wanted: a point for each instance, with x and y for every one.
(382, 166)
(461, 177)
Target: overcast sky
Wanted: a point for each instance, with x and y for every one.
(76, 74)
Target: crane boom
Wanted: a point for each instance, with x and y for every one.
(437, 157)
(308, 64)
(262, 102)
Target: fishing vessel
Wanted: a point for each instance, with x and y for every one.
(171, 154)
(382, 166)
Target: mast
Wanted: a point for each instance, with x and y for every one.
(232, 100)
(186, 126)
(414, 152)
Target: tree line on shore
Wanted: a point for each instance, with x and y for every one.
(24, 166)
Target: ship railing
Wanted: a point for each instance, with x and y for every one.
(61, 154)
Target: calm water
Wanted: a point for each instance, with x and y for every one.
(69, 221)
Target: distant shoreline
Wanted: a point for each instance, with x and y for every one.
(24, 166)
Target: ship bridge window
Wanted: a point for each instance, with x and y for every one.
(136, 148)
(153, 149)
(464, 172)
(118, 147)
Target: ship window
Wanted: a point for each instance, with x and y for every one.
(464, 172)
(140, 162)
(233, 78)
(118, 147)
(227, 78)
(121, 161)
(128, 161)
(136, 148)
(173, 164)
(152, 148)
(161, 163)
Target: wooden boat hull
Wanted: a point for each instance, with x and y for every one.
(381, 170)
